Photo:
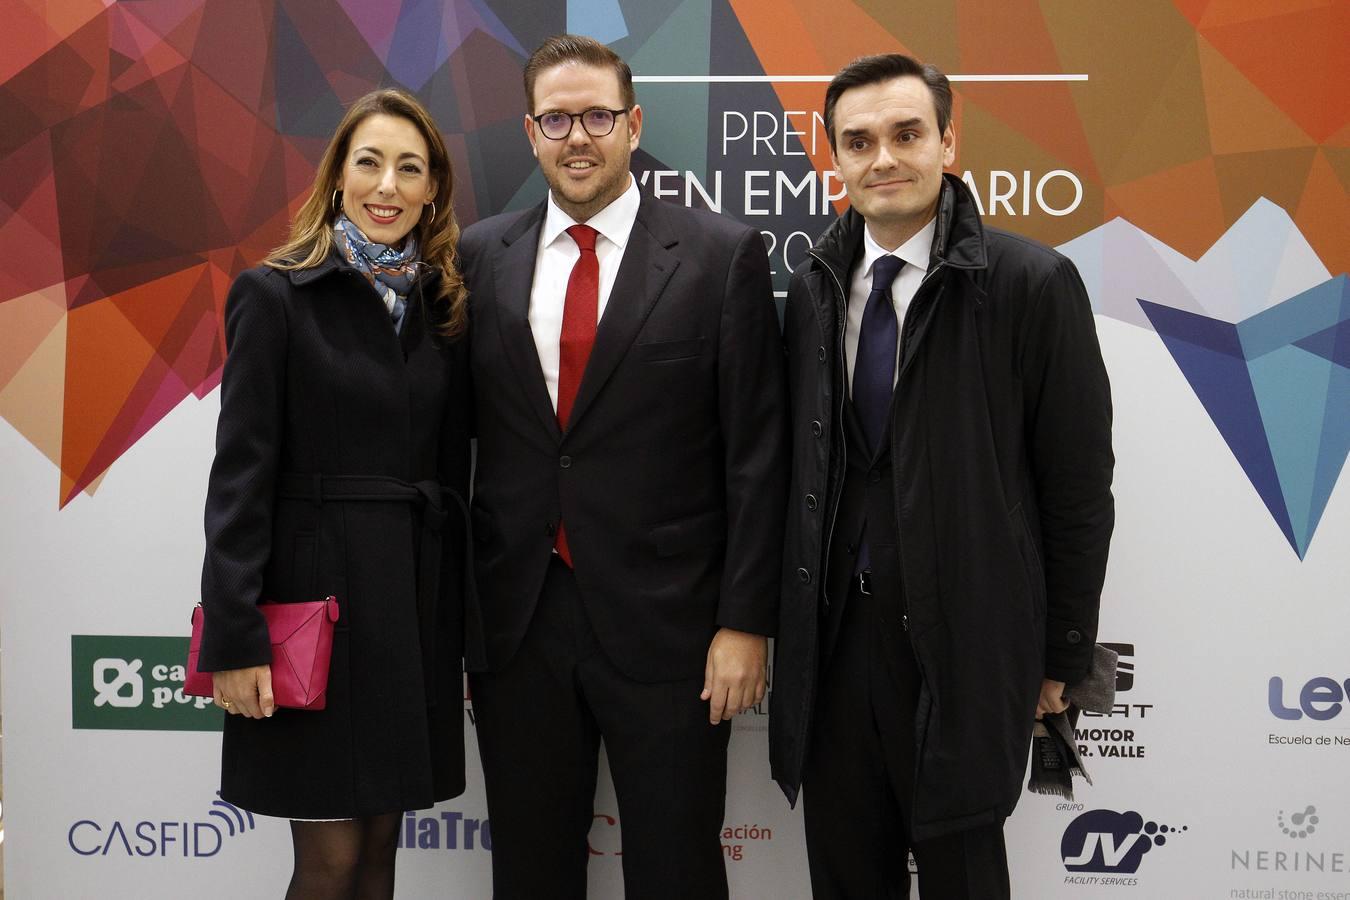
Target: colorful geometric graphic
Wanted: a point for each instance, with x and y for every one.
(153, 149)
(1277, 386)
(1262, 334)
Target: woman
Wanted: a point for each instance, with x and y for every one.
(341, 459)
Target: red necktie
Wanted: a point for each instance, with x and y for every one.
(580, 313)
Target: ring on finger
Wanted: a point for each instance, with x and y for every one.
(225, 704)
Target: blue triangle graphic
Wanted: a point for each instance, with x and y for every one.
(1203, 349)
(1277, 386)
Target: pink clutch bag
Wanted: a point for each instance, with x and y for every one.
(302, 648)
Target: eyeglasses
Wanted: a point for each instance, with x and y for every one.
(597, 122)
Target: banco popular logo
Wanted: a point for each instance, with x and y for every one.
(1106, 841)
(1261, 331)
(135, 682)
(195, 838)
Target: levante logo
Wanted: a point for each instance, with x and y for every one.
(1261, 331)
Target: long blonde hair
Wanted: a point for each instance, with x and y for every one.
(311, 236)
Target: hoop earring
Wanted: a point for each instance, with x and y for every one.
(433, 212)
(333, 201)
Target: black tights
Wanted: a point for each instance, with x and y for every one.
(347, 860)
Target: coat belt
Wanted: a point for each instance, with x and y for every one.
(428, 496)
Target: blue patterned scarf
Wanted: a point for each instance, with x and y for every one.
(390, 272)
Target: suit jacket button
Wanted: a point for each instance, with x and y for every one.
(1074, 636)
(803, 576)
(811, 501)
(873, 476)
(550, 529)
(817, 429)
(565, 462)
(820, 353)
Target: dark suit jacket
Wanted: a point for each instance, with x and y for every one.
(672, 474)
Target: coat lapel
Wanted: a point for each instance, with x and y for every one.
(644, 273)
(512, 276)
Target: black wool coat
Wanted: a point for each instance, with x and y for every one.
(318, 382)
(1001, 447)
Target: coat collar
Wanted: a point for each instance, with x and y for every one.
(958, 241)
(419, 316)
(646, 269)
(335, 263)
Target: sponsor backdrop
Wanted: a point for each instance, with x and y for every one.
(1192, 158)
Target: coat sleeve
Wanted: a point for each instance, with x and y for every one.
(1068, 405)
(752, 408)
(241, 492)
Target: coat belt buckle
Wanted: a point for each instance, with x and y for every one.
(864, 582)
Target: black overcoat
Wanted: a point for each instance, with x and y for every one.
(318, 382)
(1001, 441)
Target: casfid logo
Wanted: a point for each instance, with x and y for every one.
(1110, 843)
(191, 839)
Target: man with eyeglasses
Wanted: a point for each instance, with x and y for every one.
(628, 501)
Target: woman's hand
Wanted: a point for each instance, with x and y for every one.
(244, 692)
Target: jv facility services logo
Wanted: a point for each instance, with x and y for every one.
(1103, 846)
(135, 682)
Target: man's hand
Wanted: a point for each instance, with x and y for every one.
(734, 678)
(1052, 698)
(244, 692)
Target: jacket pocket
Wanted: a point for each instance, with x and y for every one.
(668, 351)
(690, 533)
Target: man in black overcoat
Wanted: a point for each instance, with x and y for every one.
(628, 499)
(950, 507)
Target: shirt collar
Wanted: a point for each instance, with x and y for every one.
(614, 222)
(915, 251)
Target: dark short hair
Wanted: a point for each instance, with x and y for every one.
(867, 70)
(576, 48)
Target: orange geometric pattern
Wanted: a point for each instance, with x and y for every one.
(151, 150)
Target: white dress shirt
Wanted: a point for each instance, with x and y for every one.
(915, 253)
(553, 266)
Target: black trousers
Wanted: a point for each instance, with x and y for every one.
(859, 779)
(540, 722)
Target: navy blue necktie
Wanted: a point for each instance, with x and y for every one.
(874, 368)
(874, 364)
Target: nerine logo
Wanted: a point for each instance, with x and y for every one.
(1302, 858)
(146, 838)
(134, 682)
(1300, 824)
(1103, 840)
(1267, 353)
